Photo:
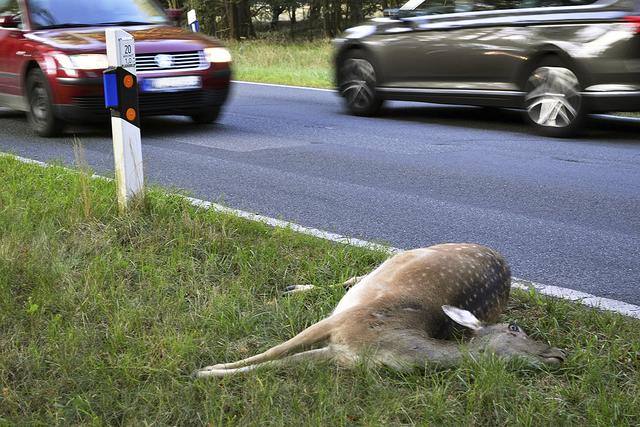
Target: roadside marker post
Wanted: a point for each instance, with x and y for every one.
(121, 97)
(193, 21)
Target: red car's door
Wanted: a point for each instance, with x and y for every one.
(11, 40)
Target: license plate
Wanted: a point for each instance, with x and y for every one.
(171, 84)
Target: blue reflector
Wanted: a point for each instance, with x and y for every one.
(110, 90)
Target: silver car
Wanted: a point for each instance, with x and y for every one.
(556, 59)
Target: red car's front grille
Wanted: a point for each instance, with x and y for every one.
(178, 61)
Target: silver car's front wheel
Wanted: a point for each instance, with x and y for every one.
(358, 86)
(553, 101)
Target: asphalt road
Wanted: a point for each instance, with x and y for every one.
(563, 212)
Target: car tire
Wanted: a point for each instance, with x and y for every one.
(207, 116)
(357, 85)
(40, 112)
(554, 105)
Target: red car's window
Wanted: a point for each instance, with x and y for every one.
(69, 13)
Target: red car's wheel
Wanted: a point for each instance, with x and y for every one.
(41, 114)
(207, 116)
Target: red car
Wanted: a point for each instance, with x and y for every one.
(52, 53)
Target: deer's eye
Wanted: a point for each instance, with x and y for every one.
(514, 328)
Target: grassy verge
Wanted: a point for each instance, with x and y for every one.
(103, 317)
(298, 64)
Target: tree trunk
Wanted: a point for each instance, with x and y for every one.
(245, 26)
(355, 12)
(326, 17)
(314, 11)
(275, 16)
(332, 9)
(337, 16)
(292, 22)
(232, 19)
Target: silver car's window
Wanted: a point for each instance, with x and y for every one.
(552, 3)
(427, 7)
(434, 7)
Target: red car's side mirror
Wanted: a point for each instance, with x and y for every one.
(9, 21)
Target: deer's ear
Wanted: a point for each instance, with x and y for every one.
(462, 317)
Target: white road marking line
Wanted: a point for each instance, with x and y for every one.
(622, 119)
(583, 298)
(285, 86)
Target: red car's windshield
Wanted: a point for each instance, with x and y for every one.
(77, 13)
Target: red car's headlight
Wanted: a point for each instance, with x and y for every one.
(85, 61)
(217, 54)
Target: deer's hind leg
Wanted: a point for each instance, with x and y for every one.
(316, 335)
(325, 353)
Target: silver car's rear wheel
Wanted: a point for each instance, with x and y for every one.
(553, 100)
(358, 86)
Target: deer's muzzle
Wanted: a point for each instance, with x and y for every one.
(553, 356)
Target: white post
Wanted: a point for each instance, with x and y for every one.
(193, 21)
(127, 145)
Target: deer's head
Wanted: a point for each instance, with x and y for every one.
(504, 340)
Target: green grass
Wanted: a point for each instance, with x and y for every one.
(292, 63)
(632, 114)
(103, 317)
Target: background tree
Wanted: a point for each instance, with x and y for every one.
(238, 19)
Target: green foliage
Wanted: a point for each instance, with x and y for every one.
(238, 19)
(208, 13)
(103, 317)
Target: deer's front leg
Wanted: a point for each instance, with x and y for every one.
(347, 284)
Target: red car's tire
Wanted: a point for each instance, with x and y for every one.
(207, 116)
(40, 113)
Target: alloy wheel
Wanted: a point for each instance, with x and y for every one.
(553, 97)
(358, 86)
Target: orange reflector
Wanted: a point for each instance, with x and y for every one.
(128, 81)
(131, 114)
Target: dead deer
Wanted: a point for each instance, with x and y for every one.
(401, 314)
